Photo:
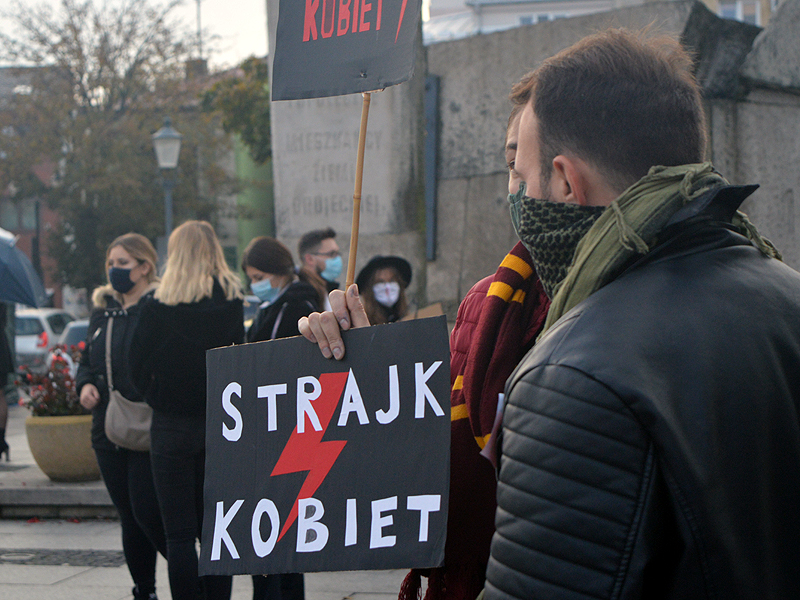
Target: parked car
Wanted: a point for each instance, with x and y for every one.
(251, 304)
(74, 336)
(75, 333)
(37, 330)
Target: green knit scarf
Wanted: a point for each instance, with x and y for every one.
(631, 225)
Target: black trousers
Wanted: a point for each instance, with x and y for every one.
(129, 480)
(178, 457)
(287, 586)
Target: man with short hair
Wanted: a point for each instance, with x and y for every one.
(319, 253)
(651, 443)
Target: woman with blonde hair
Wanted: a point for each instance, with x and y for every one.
(198, 306)
(131, 269)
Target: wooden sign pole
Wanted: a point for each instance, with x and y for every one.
(362, 135)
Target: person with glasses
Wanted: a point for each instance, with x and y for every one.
(321, 261)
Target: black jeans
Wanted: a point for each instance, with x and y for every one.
(178, 457)
(129, 480)
(286, 586)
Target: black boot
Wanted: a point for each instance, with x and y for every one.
(3, 444)
(143, 595)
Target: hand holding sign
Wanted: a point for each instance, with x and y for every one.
(325, 329)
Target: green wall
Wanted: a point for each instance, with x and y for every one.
(256, 200)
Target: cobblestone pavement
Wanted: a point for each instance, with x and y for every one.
(70, 558)
(55, 559)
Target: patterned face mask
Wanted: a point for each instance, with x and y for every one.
(551, 232)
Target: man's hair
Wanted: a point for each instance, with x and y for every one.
(311, 241)
(516, 110)
(620, 100)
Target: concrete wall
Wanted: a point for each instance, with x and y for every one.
(764, 130)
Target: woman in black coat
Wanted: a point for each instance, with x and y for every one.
(285, 298)
(197, 306)
(131, 263)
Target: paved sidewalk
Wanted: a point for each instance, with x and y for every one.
(26, 492)
(45, 558)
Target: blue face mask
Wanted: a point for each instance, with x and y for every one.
(264, 290)
(120, 280)
(333, 268)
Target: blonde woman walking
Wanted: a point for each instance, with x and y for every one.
(198, 306)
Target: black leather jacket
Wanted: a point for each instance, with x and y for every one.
(651, 444)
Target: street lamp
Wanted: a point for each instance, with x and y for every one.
(167, 144)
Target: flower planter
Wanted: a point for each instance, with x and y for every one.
(62, 447)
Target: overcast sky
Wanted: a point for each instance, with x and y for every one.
(240, 24)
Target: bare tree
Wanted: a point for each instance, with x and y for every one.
(100, 77)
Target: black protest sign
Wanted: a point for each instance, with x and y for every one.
(323, 465)
(336, 47)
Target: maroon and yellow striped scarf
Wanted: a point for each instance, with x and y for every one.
(511, 317)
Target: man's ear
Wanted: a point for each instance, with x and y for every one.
(568, 181)
(308, 260)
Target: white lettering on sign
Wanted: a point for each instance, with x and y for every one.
(309, 389)
(232, 435)
(263, 507)
(221, 522)
(352, 402)
(311, 534)
(351, 525)
(304, 399)
(385, 417)
(423, 392)
(271, 393)
(425, 505)
(376, 537)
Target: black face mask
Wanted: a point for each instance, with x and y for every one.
(120, 279)
(551, 232)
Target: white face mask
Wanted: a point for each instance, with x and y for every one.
(387, 293)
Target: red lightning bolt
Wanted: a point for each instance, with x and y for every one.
(402, 12)
(306, 451)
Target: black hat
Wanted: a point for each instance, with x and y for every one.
(401, 265)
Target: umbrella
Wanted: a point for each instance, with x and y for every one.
(18, 280)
